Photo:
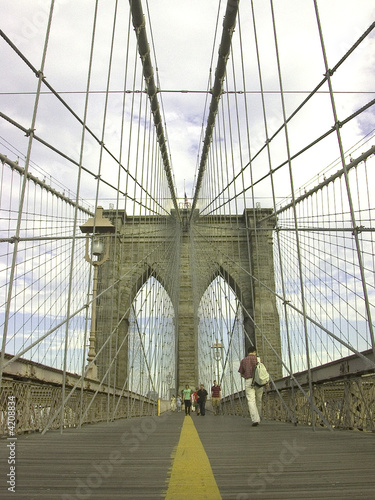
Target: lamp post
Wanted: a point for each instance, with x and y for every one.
(168, 379)
(217, 354)
(97, 226)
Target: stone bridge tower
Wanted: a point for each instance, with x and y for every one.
(245, 262)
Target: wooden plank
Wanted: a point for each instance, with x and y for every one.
(124, 459)
(282, 461)
(130, 459)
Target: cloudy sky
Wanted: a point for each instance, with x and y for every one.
(184, 36)
(184, 49)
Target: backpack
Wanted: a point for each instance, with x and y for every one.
(261, 375)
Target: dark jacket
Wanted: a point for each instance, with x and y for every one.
(202, 395)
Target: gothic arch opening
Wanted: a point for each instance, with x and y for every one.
(151, 341)
(221, 336)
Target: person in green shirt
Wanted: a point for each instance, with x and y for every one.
(187, 399)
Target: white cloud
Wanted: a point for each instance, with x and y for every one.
(183, 34)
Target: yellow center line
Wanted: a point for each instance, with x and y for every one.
(191, 473)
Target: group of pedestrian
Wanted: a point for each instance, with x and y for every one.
(197, 399)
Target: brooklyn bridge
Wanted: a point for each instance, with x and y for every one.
(181, 181)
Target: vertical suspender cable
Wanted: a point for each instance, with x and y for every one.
(217, 89)
(274, 207)
(76, 213)
(151, 89)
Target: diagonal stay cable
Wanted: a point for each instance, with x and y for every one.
(66, 105)
(71, 160)
(296, 111)
(292, 306)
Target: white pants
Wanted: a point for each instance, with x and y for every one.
(254, 399)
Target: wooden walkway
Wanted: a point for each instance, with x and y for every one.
(132, 459)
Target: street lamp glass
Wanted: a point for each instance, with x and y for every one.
(97, 247)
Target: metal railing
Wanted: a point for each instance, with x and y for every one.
(343, 395)
(31, 400)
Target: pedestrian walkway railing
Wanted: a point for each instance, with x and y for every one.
(33, 399)
(343, 397)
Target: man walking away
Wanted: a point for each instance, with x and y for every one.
(254, 393)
